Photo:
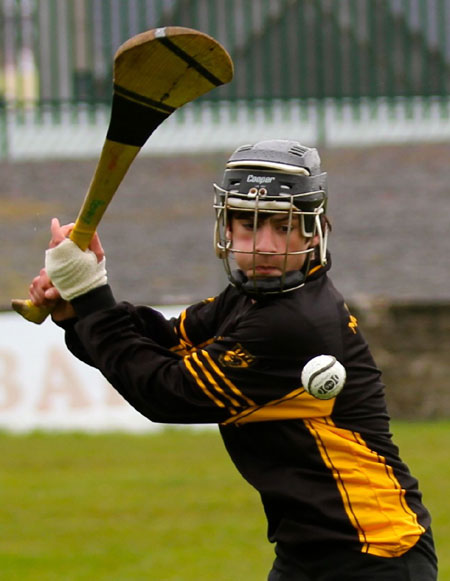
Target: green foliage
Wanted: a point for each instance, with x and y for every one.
(167, 506)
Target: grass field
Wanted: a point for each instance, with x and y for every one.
(167, 506)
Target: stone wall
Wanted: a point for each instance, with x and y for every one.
(411, 344)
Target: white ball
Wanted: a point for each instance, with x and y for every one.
(323, 377)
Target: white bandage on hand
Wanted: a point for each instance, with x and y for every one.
(73, 271)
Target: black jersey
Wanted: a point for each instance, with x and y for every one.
(326, 470)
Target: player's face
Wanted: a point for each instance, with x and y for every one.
(263, 252)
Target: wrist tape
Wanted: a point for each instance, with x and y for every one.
(74, 272)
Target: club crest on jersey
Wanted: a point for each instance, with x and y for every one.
(236, 357)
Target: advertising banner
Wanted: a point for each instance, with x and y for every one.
(42, 386)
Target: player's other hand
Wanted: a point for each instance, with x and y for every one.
(72, 270)
(60, 233)
(43, 294)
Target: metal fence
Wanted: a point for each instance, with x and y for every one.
(298, 57)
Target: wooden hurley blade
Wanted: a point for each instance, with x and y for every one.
(157, 72)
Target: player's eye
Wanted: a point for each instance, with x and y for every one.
(246, 225)
(285, 227)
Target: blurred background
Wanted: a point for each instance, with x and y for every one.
(366, 81)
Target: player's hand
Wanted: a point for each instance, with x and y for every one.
(43, 294)
(60, 233)
(73, 271)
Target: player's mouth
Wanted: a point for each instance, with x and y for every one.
(264, 270)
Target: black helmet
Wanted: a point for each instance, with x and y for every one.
(273, 176)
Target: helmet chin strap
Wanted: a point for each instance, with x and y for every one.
(270, 285)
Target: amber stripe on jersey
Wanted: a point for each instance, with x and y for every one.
(297, 404)
(184, 348)
(201, 384)
(185, 345)
(206, 372)
(386, 526)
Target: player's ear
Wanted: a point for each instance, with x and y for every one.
(229, 227)
(314, 241)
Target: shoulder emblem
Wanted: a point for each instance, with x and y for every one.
(352, 320)
(353, 323)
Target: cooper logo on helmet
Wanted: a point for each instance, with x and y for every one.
(260, 179)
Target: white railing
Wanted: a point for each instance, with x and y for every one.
(76, 132)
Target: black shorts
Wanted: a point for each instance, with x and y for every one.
(418, 564)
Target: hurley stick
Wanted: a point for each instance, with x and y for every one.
(155, 73)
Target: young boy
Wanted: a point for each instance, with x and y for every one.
(340, 503)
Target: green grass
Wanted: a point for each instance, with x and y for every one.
(166, 506)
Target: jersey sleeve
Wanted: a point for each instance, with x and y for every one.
(149, 374)
(207, 366)
(147, 321)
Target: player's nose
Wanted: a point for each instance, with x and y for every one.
(266, 240)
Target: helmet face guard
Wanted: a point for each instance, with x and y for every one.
(261, 187)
